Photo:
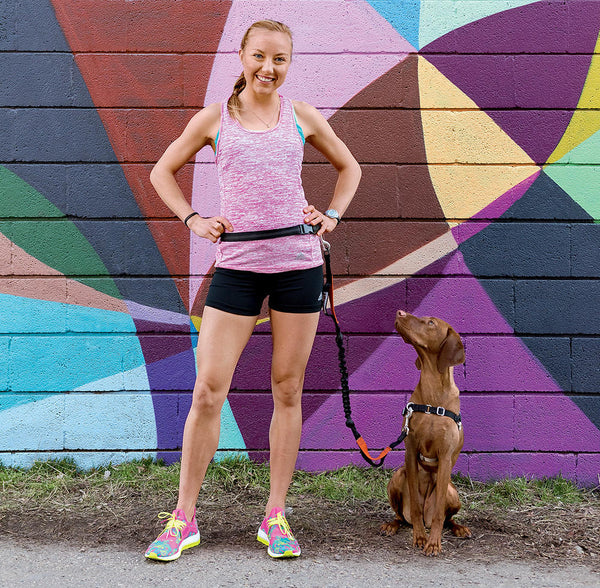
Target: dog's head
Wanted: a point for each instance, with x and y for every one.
(432, 336)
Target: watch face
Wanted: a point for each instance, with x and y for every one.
(331, 213)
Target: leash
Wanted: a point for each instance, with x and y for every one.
(374, 461)
(410, 408)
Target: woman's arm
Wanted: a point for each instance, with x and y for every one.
(320, 135)
(199, 132)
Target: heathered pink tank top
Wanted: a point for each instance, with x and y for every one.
(261, 188)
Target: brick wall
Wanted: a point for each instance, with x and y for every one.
(475, 123)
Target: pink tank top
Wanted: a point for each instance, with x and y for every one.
(261, 188)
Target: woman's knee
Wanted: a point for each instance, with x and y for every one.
(208, 398)
(287, 392)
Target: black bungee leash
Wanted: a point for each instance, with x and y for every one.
(377, 461)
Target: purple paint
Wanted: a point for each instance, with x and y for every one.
(378, 418)
(552, 422)
(504, 364)
(158, 347)
(539, 80)
(588, 468)
(497, 466)
(173, 373)
(461, 302)
(488, 422)
(492, 211)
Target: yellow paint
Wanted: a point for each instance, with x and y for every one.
(585, 122)
(197, 321)
(472, 161)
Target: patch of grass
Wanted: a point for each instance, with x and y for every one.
(61, 483)
(522, 492)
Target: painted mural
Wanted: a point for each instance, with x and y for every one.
(477, 127)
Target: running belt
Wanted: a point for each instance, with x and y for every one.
(303, 229)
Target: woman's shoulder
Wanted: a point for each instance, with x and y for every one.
(207, 120)
(310, 119)
(304, 108)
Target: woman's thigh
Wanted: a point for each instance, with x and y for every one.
(221, 340)
(293, 338)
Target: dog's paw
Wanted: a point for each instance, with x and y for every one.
(432, 548)
(460, 531)
(390, 528)
(419, 539)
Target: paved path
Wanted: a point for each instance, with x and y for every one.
(59, 565)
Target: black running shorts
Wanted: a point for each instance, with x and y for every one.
(243, 293)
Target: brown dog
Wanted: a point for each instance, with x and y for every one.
(421, 492)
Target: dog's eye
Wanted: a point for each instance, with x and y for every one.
(431, 322)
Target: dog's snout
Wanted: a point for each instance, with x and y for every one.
(400, 314)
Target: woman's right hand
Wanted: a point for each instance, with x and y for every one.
(210, 228)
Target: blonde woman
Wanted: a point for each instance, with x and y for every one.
(268, 246)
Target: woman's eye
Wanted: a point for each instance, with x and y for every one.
(258, 56)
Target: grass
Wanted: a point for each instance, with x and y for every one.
(53, 481)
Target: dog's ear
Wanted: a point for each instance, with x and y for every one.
(418, 363)
(452, 351)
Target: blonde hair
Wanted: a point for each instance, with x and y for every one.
(233, 104)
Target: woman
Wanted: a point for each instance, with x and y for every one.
(258, 137)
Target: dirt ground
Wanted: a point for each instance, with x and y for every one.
(556, 536)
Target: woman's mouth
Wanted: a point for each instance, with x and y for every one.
(264, 79)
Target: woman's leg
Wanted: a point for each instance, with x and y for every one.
(221, 341)
(293, 337)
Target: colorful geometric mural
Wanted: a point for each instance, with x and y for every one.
(477, 128)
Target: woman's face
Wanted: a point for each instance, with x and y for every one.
(266, 59)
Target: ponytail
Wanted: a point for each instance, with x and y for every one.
(233, 104)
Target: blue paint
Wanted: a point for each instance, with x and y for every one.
(403, 15)
(61, 363)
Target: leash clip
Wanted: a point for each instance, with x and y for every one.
(326, 245)
(407, 413)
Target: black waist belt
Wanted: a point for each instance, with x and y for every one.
(303, 229)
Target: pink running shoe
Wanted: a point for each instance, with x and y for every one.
(178, 534)
(276, 533)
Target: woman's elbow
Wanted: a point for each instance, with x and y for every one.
(157, 174)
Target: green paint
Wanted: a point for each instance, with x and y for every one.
(581, 183)
(439, 17)
(578, 175)
(19, 200)
(54, 241)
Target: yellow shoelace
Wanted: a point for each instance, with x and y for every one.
(281, 521)
(172, 523)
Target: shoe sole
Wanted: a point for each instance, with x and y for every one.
(191, 541)
(262, 537)
(287, 553)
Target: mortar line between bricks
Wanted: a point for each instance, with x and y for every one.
(234, 53)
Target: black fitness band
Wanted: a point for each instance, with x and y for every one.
(189, 216)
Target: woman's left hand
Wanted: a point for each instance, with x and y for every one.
(314, 217)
